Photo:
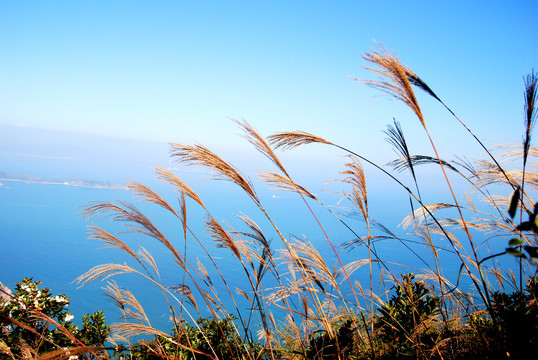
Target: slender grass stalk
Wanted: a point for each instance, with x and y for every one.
(397, 139)
(531, 96)
(398, 84)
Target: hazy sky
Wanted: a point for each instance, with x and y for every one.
(176, 70)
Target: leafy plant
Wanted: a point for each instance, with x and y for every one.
(322, 346)
(406, 323)
(513, 329)
(34, 322)
(209, 339)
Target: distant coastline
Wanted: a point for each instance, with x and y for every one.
(87, 183)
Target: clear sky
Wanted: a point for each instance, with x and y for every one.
(176, 70)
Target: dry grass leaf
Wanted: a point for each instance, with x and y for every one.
(283, 183)
(221, 236)
(186, 291)
(531, 96)
(148, 258)
(395, 79)
(259, 143)
(257, 233)
(244, 294)
(110, 240)
(97, 208)
(353, 266)
(415, 160)
(355, 177)
(71, 352)
(104, 271)
(201, 156)
(209, 299)
(127, 302)
(128, 330)
(513, 151)
(133, 218)
(183, 214)
(167, 176)
(308, 261)
(488, 173)
(203, 271)
(5, 349)
(421, 214)
(292, 139)
(146, 194)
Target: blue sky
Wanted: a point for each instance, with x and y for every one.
(176, 70)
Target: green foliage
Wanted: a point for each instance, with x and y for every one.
(406, 323)
(515, 246)
(322, 346)
(36, 322)
(208, 339)
(94, 330)
(513, 327)
(218, 336)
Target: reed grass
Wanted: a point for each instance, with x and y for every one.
(319, 298)
(353, 301)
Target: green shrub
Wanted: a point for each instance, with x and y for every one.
(208, 339)
(322, 346)
(405, 323)
(35, 322)
(513, 327)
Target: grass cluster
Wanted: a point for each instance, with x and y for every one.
(364, 308)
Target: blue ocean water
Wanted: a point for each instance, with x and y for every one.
(44, 236)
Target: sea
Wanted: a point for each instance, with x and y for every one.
(45, 236)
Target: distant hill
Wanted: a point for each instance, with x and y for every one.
(89, 183)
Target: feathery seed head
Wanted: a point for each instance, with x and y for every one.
(167, 176)
(396, 79)
(202, 156)
(290, 140)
